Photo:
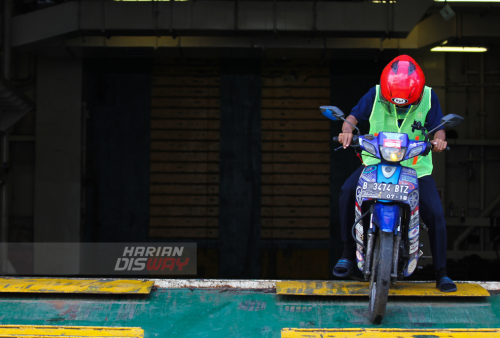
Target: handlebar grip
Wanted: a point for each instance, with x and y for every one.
(355, 139)
(445, 149)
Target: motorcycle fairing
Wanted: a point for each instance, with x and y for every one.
(409, 177)
(405, 176)
(369, 174)
(373, 143)
(386, 216)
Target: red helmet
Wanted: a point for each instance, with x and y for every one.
(402, 81)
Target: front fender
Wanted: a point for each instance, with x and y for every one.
(386, 216)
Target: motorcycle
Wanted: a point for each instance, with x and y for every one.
(387, 223)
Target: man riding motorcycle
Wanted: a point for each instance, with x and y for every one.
(393, 106)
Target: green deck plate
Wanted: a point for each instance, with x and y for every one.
(212, 313)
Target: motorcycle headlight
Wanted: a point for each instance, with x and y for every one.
(392, 154)
(370, 148)
(415, 151)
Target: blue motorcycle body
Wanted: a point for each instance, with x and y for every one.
(392, 188)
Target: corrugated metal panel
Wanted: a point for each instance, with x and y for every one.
(185, 131)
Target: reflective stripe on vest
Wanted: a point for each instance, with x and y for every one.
(385, 118)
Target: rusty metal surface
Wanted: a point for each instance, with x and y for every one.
(390, 333)
(260, 284)
(38, 331)
(350, 288)
(63, 285)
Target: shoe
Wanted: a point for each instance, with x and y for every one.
(445, 284)
(343, 268)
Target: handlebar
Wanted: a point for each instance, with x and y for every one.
(355, 141)
(445, 149)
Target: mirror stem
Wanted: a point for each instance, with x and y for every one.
(442, 124)
(352, 125)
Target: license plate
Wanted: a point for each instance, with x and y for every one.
(385, 191)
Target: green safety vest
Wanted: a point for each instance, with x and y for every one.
(384, 118)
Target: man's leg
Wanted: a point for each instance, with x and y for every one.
(347, 200)
(432, 214)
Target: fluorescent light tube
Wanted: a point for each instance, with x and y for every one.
(467, 1)
(459, 49)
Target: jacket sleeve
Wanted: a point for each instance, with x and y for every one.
(364, 107)
(434, 115)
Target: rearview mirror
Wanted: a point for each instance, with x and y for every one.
(451, 120)
(332, 112)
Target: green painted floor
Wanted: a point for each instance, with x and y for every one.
(212, 313)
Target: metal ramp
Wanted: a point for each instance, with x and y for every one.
(188, 308)
(351, 288)
(390, 333)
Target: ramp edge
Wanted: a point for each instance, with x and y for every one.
(389, 333)
(69, 331)
(70, 285)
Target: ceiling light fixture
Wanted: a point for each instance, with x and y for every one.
(459, 49)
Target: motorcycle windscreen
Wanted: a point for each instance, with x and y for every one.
(386, 216)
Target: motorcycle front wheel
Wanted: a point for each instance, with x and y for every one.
(380, 280)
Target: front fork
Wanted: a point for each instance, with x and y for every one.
(370, 243)
(369, 247)
(395, 252)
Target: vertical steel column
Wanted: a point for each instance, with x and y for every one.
(467, 150)
(6, 58)
(6, 38)
(482, 114)
(171, 23)
(240, 169)
(275, 17)
(4, 211)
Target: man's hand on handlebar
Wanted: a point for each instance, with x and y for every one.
(345, 139)
(439, 145)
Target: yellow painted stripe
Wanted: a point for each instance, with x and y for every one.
(59, 285)
(348, 288)
(389, 333)
(32, 331)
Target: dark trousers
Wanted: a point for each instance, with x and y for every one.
(430, 209)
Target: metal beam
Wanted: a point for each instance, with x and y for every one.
(430, 32)
(217, 18)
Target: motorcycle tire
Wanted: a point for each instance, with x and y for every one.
(381, 276)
